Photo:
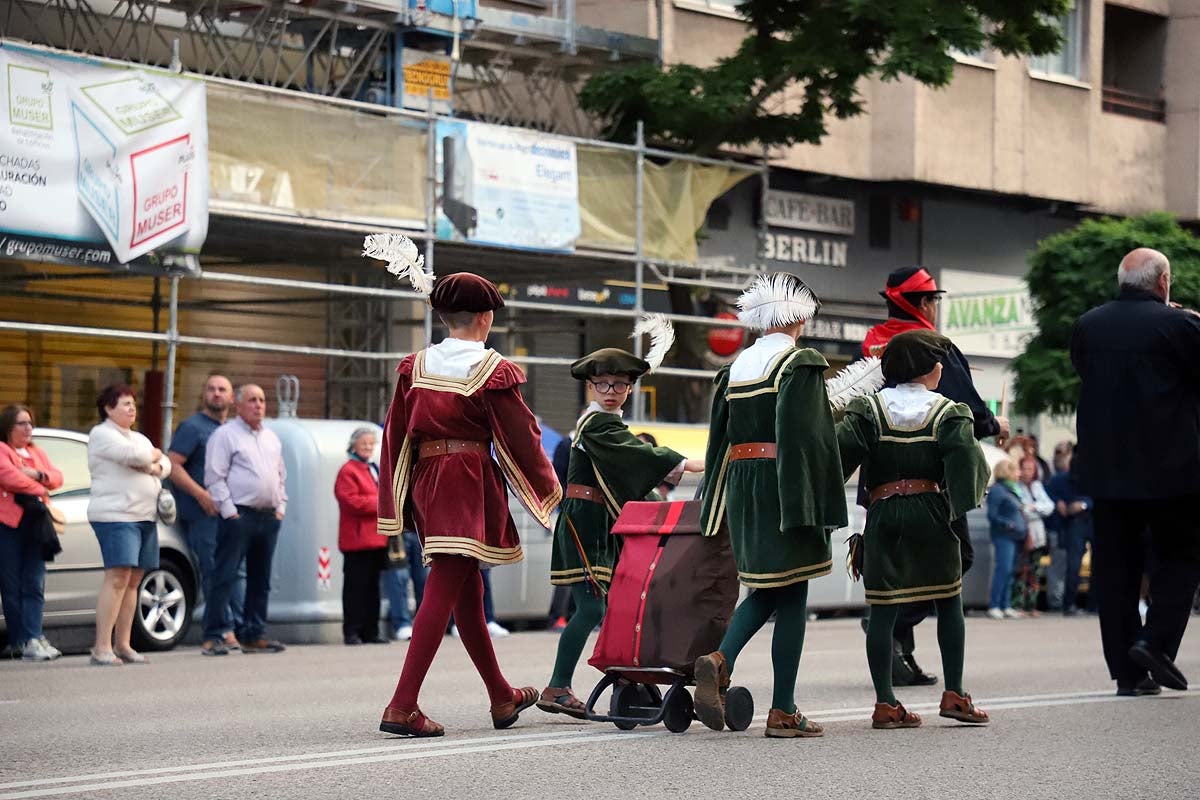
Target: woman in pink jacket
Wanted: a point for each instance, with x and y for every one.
(24, 470)
(364, 550)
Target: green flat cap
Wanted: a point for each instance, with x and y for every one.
(609, 361)
(912, 354)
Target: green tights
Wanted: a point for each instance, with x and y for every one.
(951, 634)
(589, 611)
(790, 606)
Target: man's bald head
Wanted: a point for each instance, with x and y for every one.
(1148, 270)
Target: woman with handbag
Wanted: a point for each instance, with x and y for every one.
(26, 478)
(364, 549)
(127, 472)
(1037, 507)
(1006, 516)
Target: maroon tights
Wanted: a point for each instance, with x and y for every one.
(453, 585)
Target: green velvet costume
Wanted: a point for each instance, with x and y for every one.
(781, 510)
(910, 552)
(605, 455)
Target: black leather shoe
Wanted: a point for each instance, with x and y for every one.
(1161, 668)
(919, 676)
(902, 674)
(353, 640)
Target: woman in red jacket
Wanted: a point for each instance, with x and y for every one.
(24, 469)
(364, 550)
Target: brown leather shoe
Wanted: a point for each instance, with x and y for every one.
(887, 717)
(712, 679)
(506, 714)
(409, 723)
(263, 646)
(959, 707)
(555, 700)
(782, 725)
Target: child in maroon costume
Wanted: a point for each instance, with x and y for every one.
(455, 403)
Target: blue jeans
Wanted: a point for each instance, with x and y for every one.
(1005, 558)
(251, 536)
(395, 583)
(22, 584)
(202, 539)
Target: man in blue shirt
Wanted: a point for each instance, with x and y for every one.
(197, 512)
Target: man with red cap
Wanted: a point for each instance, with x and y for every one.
(456, 403)
(912, 297)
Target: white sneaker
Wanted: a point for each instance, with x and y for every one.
(497, 630)
(995, 613)
(33, 651)
(403, 634)
(454, 631)
(1012, 613)
(49, 648)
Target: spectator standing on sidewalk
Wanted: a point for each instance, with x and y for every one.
(1038, 507)
(1073, 512)
(404, 566)
(1006, 518)
(127, 472)
(25, 469)
(244, 474)
(197, 511)
(364, 550)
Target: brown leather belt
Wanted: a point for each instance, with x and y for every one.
(580, 492)
(912, 486)
(445, 447)
(739, 452)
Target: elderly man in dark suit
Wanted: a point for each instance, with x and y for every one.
(1139, 459)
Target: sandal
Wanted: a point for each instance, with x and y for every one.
(562, 701)
(889, 717)
(409, 723)
(505, 714)
(109, 659)
(131, 657)
(959, 707)
(782, 725)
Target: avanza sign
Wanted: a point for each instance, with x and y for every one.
(986, 315)
(810, 212)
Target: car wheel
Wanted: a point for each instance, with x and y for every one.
(166, 598)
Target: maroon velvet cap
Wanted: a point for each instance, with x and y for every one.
(464, 291)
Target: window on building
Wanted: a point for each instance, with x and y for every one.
(1070, 60)
(1134, 49)
(727, 8)
(984, 54)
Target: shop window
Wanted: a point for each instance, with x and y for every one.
(879, 222)
(725, 8)
(1134, 50)
(1070, 60)
(718, 215)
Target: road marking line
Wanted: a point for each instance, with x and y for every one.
(274, 768)
(997, 703)
(407, 744)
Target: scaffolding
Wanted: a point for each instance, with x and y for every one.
(360, 349)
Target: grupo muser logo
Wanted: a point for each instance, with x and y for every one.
(30, 92)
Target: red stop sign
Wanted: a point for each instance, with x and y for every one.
(726, 341)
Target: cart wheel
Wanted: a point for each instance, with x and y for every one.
(626, 697)
(679, 711)
(739, 708)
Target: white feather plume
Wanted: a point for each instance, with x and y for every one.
(403, 260)
(662, 336)
(776, 299)
(857, 380)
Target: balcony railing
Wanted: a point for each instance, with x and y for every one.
(1132, 104)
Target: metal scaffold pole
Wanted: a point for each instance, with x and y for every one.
(640, 264)
(168, 417)
(430, 201)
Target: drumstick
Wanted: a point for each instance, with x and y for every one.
(1000, 440)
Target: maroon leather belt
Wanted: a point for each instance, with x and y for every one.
(912, 486)
(580, 492)
(445, 447)
(740, 452)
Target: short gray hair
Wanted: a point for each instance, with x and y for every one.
(1141, 268)
(358, 434)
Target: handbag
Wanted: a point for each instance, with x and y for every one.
(57, 518)
(167, 511)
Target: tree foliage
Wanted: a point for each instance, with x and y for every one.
(1076, 270)
(820, 48)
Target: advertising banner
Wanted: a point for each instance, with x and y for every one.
(986, 314)
(507, 187)
(99, 165)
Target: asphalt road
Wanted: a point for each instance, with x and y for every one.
(303, 724)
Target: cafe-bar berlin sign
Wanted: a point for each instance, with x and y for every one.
(810, 212)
